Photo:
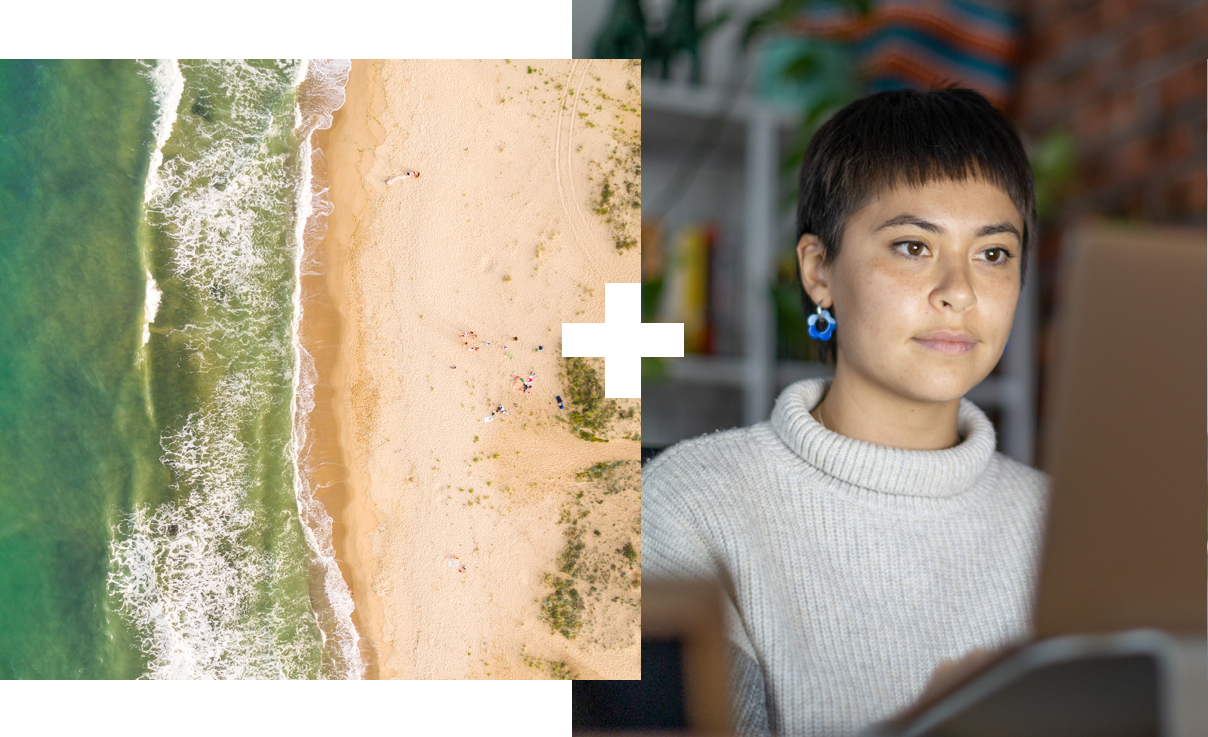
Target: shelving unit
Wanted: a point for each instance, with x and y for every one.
(753, 139)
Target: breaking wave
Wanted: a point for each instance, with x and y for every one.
(219, 580)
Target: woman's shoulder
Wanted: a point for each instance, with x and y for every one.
(698, 492)
(1026, 483)
(724, 454)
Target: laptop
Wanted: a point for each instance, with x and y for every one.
(1122, 583)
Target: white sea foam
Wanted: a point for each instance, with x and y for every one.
(215, 198)
(195, 577)
(189, 575)
(167, 86)
(150, 307)
(322, 83)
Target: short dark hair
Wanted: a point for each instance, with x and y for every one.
(906, 137)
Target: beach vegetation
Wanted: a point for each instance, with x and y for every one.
(614, 475)
(628, 552)
(590, 412)
(618, 198)
(557, 670)
(568, 561)
(596, 561)
(562, 609)
(599, 470)
(602, 202)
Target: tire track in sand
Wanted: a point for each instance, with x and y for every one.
(562, 163)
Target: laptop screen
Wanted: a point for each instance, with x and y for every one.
(1124, 446)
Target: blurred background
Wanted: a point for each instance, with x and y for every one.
(1108, 96)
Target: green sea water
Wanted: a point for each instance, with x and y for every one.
(152, 520)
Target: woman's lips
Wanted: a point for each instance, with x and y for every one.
(947, 346)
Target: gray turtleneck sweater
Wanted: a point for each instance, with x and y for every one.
(851, 570)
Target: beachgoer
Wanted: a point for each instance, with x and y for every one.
(404, 175)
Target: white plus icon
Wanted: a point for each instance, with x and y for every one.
(623, 339)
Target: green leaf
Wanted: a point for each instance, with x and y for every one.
(652, 289)
(801, 68)
(654, 369)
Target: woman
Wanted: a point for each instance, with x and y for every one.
(869, 531)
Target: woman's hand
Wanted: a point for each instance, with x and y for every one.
(952, 671)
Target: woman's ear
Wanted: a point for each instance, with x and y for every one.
(814, 277)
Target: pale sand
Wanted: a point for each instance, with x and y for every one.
(504, 160)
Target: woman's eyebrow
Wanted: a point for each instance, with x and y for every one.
(927, 225)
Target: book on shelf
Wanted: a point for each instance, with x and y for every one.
(690, 276)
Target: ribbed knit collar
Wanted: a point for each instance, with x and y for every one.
(918, 473)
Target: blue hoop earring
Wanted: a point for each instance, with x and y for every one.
(830, 324)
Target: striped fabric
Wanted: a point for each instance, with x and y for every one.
(915, 44)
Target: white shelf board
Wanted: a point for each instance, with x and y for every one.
(709, 102)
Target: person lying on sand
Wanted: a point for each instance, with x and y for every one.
(401, 177)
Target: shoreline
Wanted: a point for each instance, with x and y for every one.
(347, 148)
(446, 527)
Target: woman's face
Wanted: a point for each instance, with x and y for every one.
(916, 262)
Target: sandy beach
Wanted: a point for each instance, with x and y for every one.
(478, 205)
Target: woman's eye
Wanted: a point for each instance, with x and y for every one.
(910, 248)
(916, 249)
(996, 255)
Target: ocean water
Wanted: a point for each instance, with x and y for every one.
(153, 521)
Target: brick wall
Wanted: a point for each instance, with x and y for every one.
(1128, 77)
